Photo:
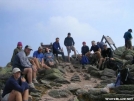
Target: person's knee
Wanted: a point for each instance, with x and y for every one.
(29, 70)
(16, 92)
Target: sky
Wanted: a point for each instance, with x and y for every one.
(36, 21)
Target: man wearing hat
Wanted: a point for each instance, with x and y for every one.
(16, 50)
(16, 87)
(128, 38)
(106, 53)
(22, 62)
(39, 59)
(69, 43)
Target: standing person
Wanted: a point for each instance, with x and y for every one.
(22, 62)
(16, 87)
(16, 50)
(69, 43)
(57, 49)
(128, 38)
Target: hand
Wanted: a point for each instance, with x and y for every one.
(23, 79)
(49, 56)
(34, 68)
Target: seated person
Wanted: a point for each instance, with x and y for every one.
(100, 44)
(39, 59)
(96, 49)
(16, 87)
(57, 49)
(49, 57)
(22, 62)
(106, 53)
(16, 50)
(84, 50)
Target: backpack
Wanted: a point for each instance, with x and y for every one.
(84, 60)
(124, 77)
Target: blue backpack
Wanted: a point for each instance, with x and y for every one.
(84, 60)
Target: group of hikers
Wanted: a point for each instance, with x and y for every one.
(17, 87)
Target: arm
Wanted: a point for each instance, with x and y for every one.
(73, 41)
(18, 87)
(59, 46)
(65, 42)
(24, 61)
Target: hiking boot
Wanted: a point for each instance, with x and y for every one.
(35, 81)
(31, 85)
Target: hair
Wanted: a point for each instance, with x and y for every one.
(92, 41)
(130, 30)
(57, 38)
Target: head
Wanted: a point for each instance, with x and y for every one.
(93, 43)
(47, 50)
(130, 30)
(57, 40)
(40, 49)
(84, 43)
(41, 43)
(105, 46)
(27, 50)
(16, 73)
(69, 34)
(19, 45)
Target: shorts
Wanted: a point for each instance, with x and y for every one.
(69, 48)
(128, 44)
(5, 98)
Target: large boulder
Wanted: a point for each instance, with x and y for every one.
(90, 68)
(108, 73)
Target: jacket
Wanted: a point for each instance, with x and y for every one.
(69, 41)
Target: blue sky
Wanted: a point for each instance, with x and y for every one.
(36, 21)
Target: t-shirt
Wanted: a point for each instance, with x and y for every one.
(84, 50)
(38, 55)
(94, 48)
(107, 53)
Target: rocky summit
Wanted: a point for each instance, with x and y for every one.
(72, 82)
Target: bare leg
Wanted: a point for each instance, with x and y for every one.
(100, 62)
(15, 96)
(37, 63)
(75, 53)
(28, 71)
(25, 95)
(69, 57)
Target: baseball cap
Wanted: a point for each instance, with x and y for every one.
(69, 33)
(19, 44)
(29, 47)
(104, 44)
(15, 70)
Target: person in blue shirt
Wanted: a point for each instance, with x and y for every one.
(16, 88)
(57, 49)
(39, 59)
(128, 38)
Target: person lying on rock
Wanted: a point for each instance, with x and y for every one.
(106, 54)
(16, 87)
(38, 59)
(16, 50)
(49, 58)
(57, 49)
(97, 52)
(22, 62)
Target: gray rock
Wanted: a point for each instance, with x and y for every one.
(75, 77)
(52, 76)
(87, 76)
(95, 73)
(90, 68)
(129, 57)
(61, 80)
(109, 73)
(59, 93)
(73, 89)
(35, 94)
